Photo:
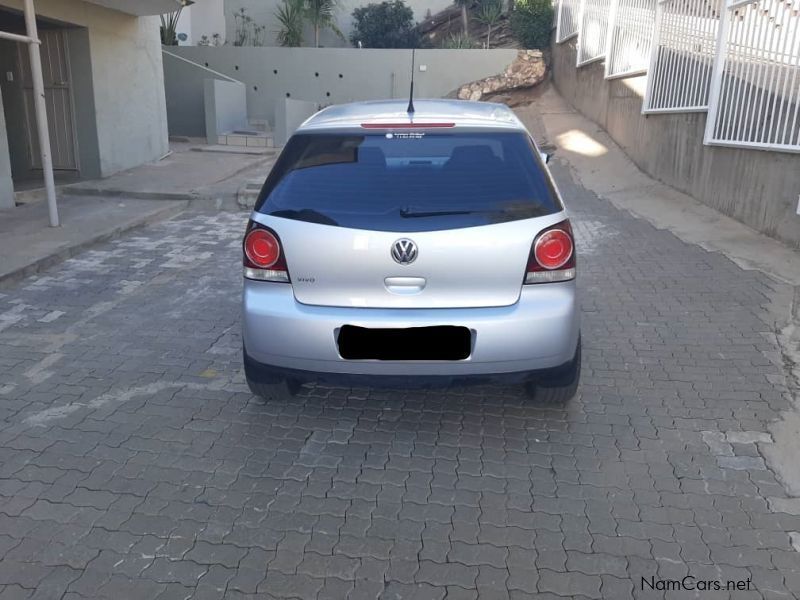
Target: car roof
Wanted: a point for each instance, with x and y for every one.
(462, 113)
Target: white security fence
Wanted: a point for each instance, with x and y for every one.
(682, 55)
(594, 30)
(630, 31)
(739, 60)
(757, 86)
(567, 19)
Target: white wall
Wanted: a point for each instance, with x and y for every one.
(263, 11)
(203, 18)
(184, 27)
(129, 92)
(127, 77)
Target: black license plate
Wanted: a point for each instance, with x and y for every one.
(443, 342)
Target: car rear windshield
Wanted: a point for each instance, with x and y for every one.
(409, 181)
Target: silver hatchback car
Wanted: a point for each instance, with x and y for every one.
(403, 249)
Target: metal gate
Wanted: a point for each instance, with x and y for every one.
(58, 98)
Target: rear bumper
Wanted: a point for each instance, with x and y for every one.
(539, 332)
(263, 373)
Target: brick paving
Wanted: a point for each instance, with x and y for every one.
(134, 463)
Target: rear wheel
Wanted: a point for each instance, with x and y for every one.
(273, 391)
(292, 386)
(269, 391)
(268, 387)
(559, 386)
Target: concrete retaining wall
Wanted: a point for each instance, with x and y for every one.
(756, 187)
(337, 75)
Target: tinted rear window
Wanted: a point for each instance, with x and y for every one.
(408, 181)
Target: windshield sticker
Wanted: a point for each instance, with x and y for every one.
(416, 135)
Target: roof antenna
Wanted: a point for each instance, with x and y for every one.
(410, 108)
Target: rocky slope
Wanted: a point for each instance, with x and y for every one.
(436, 29)
(513, 85)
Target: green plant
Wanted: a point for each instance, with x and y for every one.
(214, 40)
(246, 31)
(291, 16)
(531, 22)
(388, 24)
(241, 26)
(464, 4)
(489, 14)
(457, 41)
(321, 14)
(259, 33)
(169, 25)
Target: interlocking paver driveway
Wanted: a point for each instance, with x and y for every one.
(134, 463)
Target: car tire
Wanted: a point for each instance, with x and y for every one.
(559, 387)
(293, 387)
(272, 391)
(268, 387)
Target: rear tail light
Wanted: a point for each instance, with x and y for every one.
(552, 256)
(263, 256)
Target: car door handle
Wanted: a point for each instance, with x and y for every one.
(405, 285)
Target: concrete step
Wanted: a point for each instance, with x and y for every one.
(33, 195)
(247, 138)
(255, 151)
(260, 125)
(36, 192)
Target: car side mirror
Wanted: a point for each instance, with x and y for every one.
(545, 157)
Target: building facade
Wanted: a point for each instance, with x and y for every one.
(104, 89)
